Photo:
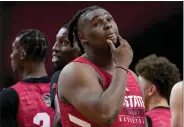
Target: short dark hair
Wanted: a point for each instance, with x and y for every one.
(160, 71)
(35, 44)
(66, 26)
(73, 25)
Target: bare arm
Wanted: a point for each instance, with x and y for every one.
(176, 105)
(79, 84)
(135, 76)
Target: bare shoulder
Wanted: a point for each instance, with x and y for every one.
(176, 104)
(74, 74)
(178, 86)
(77, 77)
(76, 69)
(77, 84)
(176, 91)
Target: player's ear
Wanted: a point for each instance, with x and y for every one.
(82, 38)
(23, 53)
(152, 90)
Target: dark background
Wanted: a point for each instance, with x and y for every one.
(150, 27)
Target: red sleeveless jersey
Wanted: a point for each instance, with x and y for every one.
(34, 108)
(131, 115)
(160, 117)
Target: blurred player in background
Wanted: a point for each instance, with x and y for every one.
(27, 103)
(62, 55)
(157, 75)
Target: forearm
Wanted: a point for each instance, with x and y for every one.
(114, 95)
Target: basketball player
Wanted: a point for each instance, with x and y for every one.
(157, 75)
(176, 100)
(97, 89)
(62, 55)
(27, 103)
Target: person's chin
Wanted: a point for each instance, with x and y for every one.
(56, 64)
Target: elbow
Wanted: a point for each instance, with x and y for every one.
(100, 113)
(108, 115)
(108, 119)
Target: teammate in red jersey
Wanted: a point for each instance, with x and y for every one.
(27, 103)
(62, 55)
(157, 76)
(176, 104)
(97, 89)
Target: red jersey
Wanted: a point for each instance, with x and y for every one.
(160, 117)
(131, 115)
(34, 105)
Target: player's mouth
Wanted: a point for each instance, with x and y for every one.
(55, 58)
(111, 36)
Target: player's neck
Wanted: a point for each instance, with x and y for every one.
(58, 68)
(101, 58)
(158, 101)
(35, 70)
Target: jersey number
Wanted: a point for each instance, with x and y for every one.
(42, 117)
(78, 121)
